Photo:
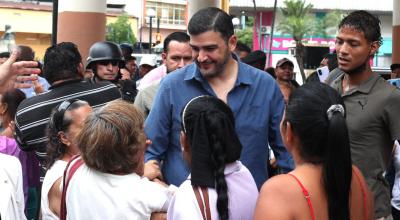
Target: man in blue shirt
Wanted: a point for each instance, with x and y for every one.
(253, 96)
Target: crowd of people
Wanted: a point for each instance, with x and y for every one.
(209, 134)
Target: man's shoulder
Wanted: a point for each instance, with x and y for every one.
(384, 87)
(79, 88)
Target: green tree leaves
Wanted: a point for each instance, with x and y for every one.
(120, 31)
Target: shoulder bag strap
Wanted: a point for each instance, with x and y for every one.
(68, 173)
(205, 213)
(205, 194)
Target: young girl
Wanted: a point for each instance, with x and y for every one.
(218, 179)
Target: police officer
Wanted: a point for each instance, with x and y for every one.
(105, 59)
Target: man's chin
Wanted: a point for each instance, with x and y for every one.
(208, 73)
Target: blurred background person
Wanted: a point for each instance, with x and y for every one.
(329, 60)
(66, 121)
(37, 86)
(131, 69)
(212, 150)
(147, 64)
(395, 74)
(242, 50)
(314, 131)
(12, 196)
(256, 59)
(284, 77)
(9, 102)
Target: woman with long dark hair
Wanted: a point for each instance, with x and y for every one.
(324, 184)
(218, 179)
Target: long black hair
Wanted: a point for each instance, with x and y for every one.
(324, 140)
(210, 128)
(59, 122)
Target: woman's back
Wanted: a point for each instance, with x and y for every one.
(95, 195)
(242, 194)
(282, 197)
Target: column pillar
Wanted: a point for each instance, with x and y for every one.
(196, 5)
(82, 22)
(396, 32)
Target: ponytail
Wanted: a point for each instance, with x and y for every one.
(336, 173)
(218, 158)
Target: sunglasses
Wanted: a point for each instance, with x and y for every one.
(107, 62)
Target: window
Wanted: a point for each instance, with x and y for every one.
(171, 14)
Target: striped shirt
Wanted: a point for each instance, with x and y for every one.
(33, 114)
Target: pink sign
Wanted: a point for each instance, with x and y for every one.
(283, 43)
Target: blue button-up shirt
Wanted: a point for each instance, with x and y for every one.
(257, 104)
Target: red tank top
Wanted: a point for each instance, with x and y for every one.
(308, 199)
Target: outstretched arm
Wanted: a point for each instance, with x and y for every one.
(11, 72)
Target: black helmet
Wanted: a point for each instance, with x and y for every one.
(104, 50)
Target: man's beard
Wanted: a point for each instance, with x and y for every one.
(219, 67)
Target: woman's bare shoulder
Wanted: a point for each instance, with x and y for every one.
(275, 199)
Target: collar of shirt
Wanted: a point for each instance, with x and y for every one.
(66, 82)
(365, 87)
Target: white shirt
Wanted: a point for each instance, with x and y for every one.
(396, 186)
(11, 192)
(95, 195)
(52, 175)
(242, 194)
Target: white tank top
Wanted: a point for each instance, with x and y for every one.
(52, 175)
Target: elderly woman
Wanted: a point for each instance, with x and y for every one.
(106, 181)
(65, 122)
(324, 184)
(218, 179)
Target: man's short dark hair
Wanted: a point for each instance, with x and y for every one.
(61, 62)
(25, 53)
(364, 22)
(211, 19)
(394, 66)
(242, 47)
(179, 36)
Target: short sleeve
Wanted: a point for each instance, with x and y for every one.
(159, 196)
(184, 205)
(391, 116)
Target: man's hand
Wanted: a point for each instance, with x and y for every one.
(152, 170)
(11, 70)
(125, 74)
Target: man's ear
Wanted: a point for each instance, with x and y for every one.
(374, 47)
(80, 69)
(164, 57)
(232, 42)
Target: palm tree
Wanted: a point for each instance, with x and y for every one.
(327, 25)
(297, 22)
